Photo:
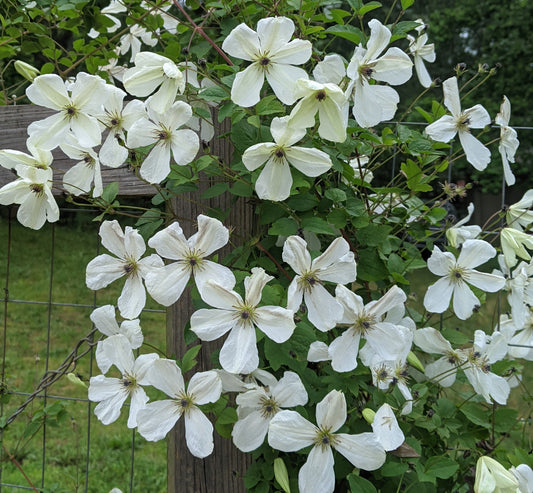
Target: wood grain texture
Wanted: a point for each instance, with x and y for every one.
(14, 121)
(223, 470)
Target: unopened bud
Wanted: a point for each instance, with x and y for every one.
(413, 360)
(369, 415)
(29, 72)
(460, 67)
(76, 380)
(281, 474)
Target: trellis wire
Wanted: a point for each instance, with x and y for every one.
(50, 375)
(50, 303)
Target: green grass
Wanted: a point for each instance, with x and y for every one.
(26, 355)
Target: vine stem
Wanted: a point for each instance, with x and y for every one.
(269, 255)
(19, 467)
(202, 33)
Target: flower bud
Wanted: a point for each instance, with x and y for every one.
(74, 379)
(29, 72)
(281, 474)
(413, 360)
(369, 415)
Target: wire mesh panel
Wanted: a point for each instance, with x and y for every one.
(52, 442)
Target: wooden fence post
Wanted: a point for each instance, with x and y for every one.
(222, 471)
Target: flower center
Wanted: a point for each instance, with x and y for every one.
(185, 402)
(279, 153)
(269, 407)
(71, 111)
(194, 260)
(366, 71)
(364, 324)
(457, 275)
(130, 267)
(308, 281)
(37, 188)
(320, 96)
(325, 439)
(246, 314)
(264, 61)
(463, 123)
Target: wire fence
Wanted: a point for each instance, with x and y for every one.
(52, 443)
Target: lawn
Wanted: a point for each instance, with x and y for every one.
(38, 337)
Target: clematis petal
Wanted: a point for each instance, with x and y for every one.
(239, 352)
(324, 311)
(156, 166)
(108, 410)
(281, 78)
(289, 431)
(210, 324)
(475, 253)
(211, 235)
(442, 371)
(337, 263)
(442, 130)
(165, 375)
(137, 402)
(363, 451)
(274, 33)
(157, 419)
(276, 322)
(247, 86)
(167, 284)
(478, 117)
(205, 386)
(296, 255)
(198, 433)
(256, 155)
(185, 145)
(103, 270)
(485, 281)
(476, 153)
(386, 428)
(221, 274)
(394, 67)
(133, 297)
(431, 340)
(451, 96)
(104, 320)
(464, 300)
(374, 104)
(242, 42)
(438, 295)
(274, 181)
(331, 411)
(441, 263)
(249, 433)
(311, 162)
(317, 474)
(344, 350)
(290, 390)
(379, 39)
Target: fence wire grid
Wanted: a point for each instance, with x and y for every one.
(54, 445)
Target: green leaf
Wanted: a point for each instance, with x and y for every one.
(214, 94)
(394, 469)
(188, 362)
(286, 226)
(317, 225)
(360, 485)
(370, 267)
(348, 32)
(335, 194)
(241, 189)
(110, 192)
(406, 4)
(476, 414)
(373, 234)
(368, 7)
(505, 419)
(269, 106)
(441, 467)
(216, 190)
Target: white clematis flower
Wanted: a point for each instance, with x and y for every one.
(455, 276)
(446, 127)
(76, 108)
(110, 392)
(519, 216)
(164, 130)
(275, 180)
(508, 140)
(374, 103)
(134, 39)
(421, 51)
(79, 178)
(336, 264)
(257, 407)
(492, 477)
(514, 243)
(459, 233)
(159, 417)
(387, 340)
(129, 247)
(273, 56)
(240, 318)
(38, 158)
(290, 432)
(104, 320)
(524, 474)
(166, 285)
(385, 427)
(325, 97)
(32, 190)
(150, 72)
(117, 118)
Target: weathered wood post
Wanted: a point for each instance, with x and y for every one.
(222, 471)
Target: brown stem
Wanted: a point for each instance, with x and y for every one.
(269, 255)
(202, 33)
(19, 467)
